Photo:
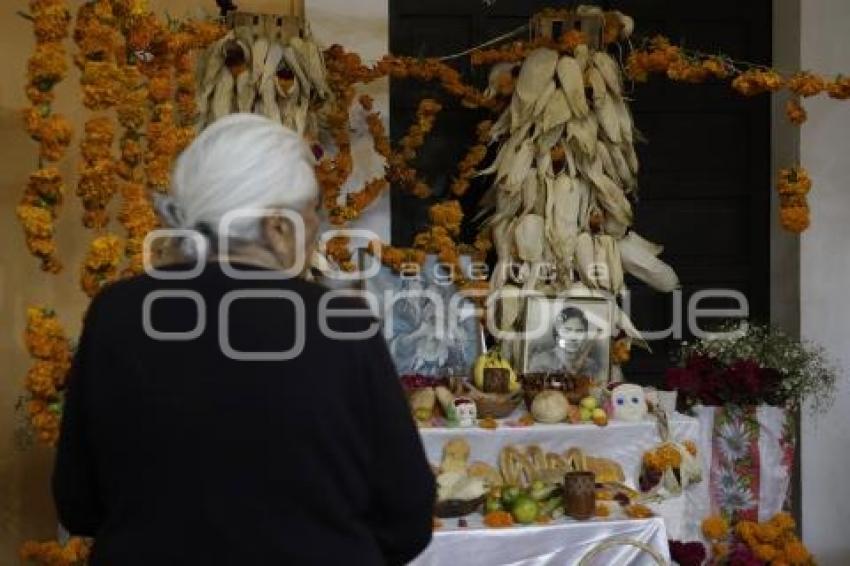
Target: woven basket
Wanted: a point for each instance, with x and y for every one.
(457, 507)
(587, 559)
(493, 405)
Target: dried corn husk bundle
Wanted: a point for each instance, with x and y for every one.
(563, 177)
(281, 78)
(639, 259)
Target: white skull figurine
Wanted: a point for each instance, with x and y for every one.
(629, 402)
(467, 414)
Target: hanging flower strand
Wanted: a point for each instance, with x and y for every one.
(793, 186)
(42, 198)
(98, 43)
(48, 345)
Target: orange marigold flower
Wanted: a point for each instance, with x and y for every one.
(795, 111)
(47, 65)
(717, 67)
(795, 218)
(37, 221)
(498, 519)
(715, 528)
(784, 522)
(765, 552)
(806, 84)
(621, 351)
(766, 533)
(839, 88)
(796, 554)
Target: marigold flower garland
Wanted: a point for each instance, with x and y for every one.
(37, 212)
(399, 169)
(101, 264)
(75, 552)
(47, 344)
(473, 158)
(747, 542)
(793, 186)
(46, 67)
(99, 43)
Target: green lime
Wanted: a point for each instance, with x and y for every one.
(524, 509)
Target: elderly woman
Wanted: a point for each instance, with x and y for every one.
(210, 417)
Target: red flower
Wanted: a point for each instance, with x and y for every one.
(687, 553)
(742, 556)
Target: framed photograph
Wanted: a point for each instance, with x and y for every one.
(430, 328)
(568, 334)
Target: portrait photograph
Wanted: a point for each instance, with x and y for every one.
(568, 335)
(412, 307)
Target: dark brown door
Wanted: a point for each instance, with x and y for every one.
(705, 178)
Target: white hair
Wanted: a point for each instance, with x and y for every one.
(242, 161)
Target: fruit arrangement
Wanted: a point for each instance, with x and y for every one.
(493, 374)
(538, 503)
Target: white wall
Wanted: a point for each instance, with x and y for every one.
(824, 276)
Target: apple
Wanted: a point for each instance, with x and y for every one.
(599, 417)
(586, 414)
(589, 403)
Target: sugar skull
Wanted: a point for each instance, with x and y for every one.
(629, 402)
(467, 414)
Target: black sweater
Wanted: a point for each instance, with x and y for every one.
(172, 452)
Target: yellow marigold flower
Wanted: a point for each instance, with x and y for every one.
(42, 379)
(806, 84)
(47, 65)
(447, 214)
(783, 522)
(621, 352)
(796, 553)
(715, 528)
(839, 89)
(767, 533)
(765, 552)
(55, 134)
(51, 22)
(104, 253)
(37, 221)
(794, 218)
(795, 112)
(47, 184)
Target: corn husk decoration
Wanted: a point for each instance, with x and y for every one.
(257, 69)
(563, 179)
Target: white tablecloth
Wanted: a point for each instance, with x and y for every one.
(622, 442)
(557, 544)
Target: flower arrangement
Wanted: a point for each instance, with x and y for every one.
(48, 345)
(743, 364)
(666, 455)
(748, 543)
